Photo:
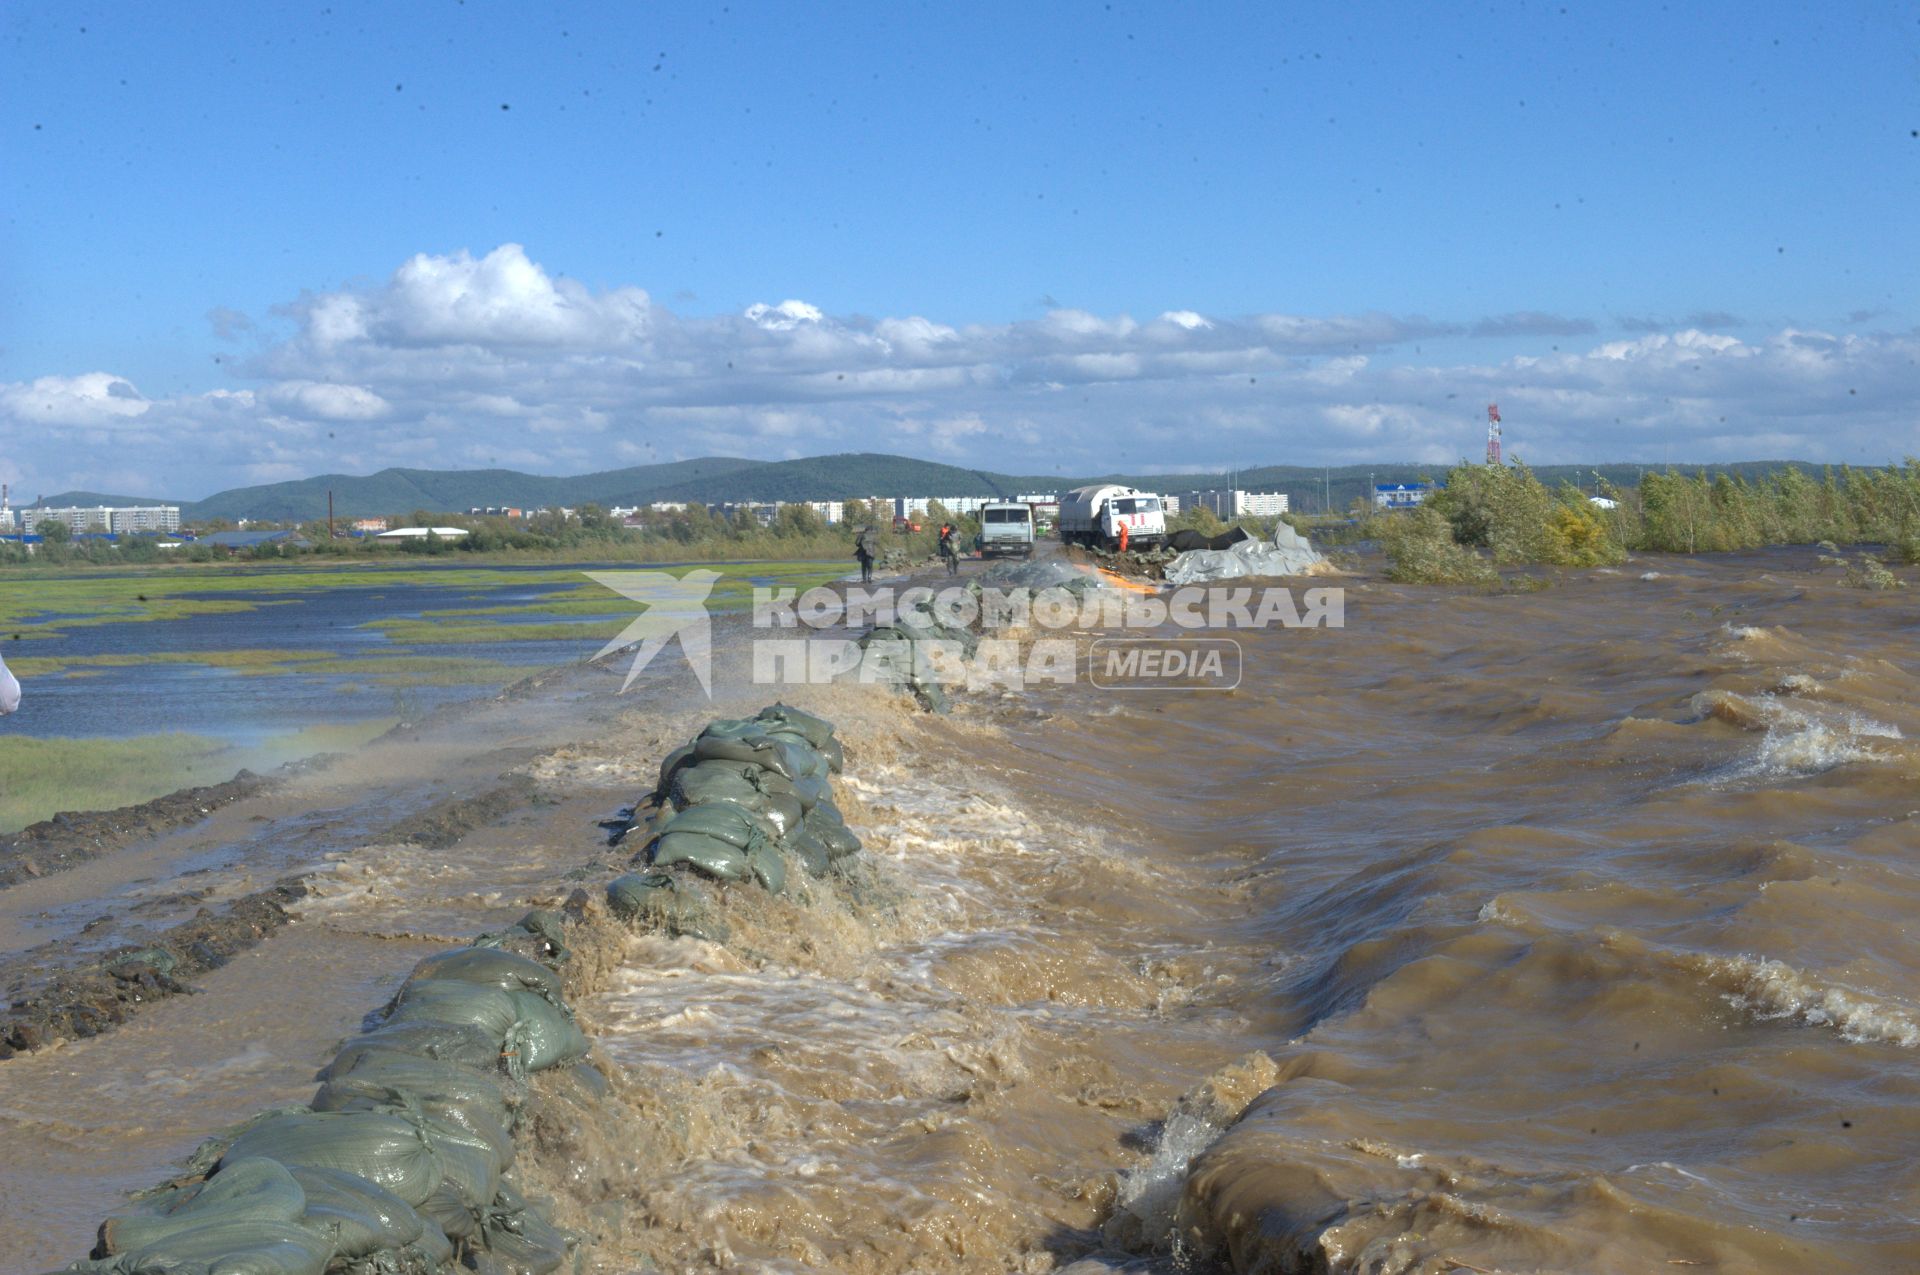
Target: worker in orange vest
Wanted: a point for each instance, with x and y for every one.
(1123, 537)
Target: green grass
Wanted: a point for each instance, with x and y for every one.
(609, 610)
(240, 661)
(36, 603)
(41, 777)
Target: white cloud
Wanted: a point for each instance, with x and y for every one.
(784, 317)
(322, 401)
(92, 398)
(1187, 319)
(492, 360)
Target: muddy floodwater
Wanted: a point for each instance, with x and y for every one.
(1567, 930)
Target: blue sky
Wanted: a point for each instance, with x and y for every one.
(1654, 231)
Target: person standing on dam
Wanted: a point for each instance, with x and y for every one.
(866, 548)
(9, 690)
(949, 549)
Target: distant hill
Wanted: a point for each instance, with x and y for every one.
(399, 491)
(715, 479)
(68, 499)
(839, 477)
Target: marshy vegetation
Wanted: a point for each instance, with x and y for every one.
(1486, 517)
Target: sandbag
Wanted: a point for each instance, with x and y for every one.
(468, 1167)
(769, 868)
(811, 791)
(451, 1212)
(816, 730)
(489, 967)
(433, 1000)
(652, 898)
(709, 855)
(723, 821)
(776, 755)
(255, 1190)
(783, 813)
(460, 1043)
(731, 728)
(635, 894)
(356, 1216)
(710, 781)
(388, 1151)
(518, 1240)
(546, 1034)
(835, 753)
(672, 763)
(824, 822)
(808, 850)
(439, 1087)
(228, 1247)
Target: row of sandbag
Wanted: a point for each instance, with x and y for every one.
(400, 1164)
(747, 800)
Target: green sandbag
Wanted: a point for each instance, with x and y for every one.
(431, 1254)
(389, 1151)
(447, 1209)
(824, 822)
(546, 1034)
(783, 813)
(469, 1168)
(708, 855)
(812, 759)
(489, 967)
(518, 1240)
(248, 1190)
(651, 898)
(674, 760)
(709, 781)
(549, 925)
(356, 1216)
(439, 1087)
(769, 868)
(808, 850)
(723, 821)
(460, 1043)
(236, 1247)
(760, 777)
(433, 1000)
(636, 894)
(811, 791)
(731, 728)
(445, 1127)
(816, 730)
(835, 753)
(779, 756)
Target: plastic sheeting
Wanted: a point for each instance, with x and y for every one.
(1287, 554)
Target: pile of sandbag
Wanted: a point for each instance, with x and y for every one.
(747, 801)
(402, 1162)
(911, 652)
(1287, 554)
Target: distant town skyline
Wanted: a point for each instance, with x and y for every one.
(244, 247)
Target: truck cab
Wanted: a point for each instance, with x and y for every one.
(1006, 527)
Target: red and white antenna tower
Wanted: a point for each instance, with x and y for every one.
(1493, 433)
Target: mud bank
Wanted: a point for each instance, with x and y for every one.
(65, 840)
(76, 1004)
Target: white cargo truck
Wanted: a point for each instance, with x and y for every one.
(1006, 526)
(1094, 515)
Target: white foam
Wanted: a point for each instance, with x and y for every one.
(1772, 990)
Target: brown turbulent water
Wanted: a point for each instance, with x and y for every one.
(1576, 926)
